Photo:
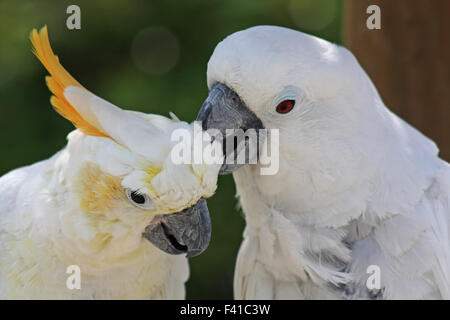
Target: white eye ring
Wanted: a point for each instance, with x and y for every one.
(140, 200)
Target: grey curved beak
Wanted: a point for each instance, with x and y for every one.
(187, 231)
(225, 111)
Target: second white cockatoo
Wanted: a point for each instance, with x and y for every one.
(112, 205)
(360, 205)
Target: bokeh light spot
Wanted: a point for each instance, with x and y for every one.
(155, 50)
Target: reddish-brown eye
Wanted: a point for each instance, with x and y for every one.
(285, 106)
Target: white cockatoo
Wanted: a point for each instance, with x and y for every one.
(111, 208)
(359, 207)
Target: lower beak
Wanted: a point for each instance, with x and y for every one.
(187, 231)
(224, 110)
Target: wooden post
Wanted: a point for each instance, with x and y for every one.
(408, 59)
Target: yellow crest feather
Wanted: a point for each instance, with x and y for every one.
(58, 80)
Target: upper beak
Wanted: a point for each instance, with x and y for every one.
(187, 231)
(224, 110)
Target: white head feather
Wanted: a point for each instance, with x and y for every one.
(339, 138)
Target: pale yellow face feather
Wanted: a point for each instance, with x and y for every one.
(106, 208)
(152, 171)
(98, 190)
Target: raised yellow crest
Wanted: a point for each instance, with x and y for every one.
(58, 80)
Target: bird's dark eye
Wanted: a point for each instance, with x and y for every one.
(140, 200)
(137, 198)
(285, 106)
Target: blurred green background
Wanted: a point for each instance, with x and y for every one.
(148, 56)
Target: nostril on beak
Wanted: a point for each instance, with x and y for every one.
(204, 125)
